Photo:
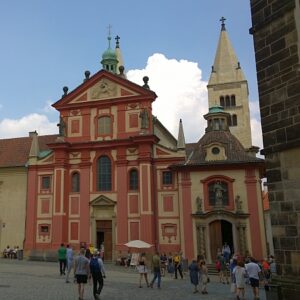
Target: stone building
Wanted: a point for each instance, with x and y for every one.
(115, 173)
(276, 33)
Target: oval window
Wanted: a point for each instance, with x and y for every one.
(215, 150)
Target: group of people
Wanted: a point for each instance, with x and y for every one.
(244, 270)
(199, 275)
(160, 263)
(11, 252)
(86, 265)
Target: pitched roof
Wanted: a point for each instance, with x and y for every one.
(235, 152)
(14, 152)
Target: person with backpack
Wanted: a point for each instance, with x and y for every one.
(98, 273)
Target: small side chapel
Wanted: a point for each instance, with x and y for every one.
(115, 173)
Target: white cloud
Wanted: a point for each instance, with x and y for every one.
(256, 131)
(21, 127)
(181, 92)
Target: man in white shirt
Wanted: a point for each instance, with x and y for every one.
(253, 271)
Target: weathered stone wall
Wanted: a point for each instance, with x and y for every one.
(276, 33)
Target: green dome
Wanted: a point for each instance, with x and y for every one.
(109, 54)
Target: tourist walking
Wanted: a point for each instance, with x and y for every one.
(98, 273)
(156, 270)
(253, 271)
(239, 274)
(62, 258)
(194, 275)
(81, 271)
(70, 262)
(204, 277)
(143, 270)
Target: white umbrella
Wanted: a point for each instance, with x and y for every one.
(138, 244)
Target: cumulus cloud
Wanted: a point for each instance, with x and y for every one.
(181, 92)
(21, 127)
(256, 130)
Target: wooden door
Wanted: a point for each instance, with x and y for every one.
(104, 235)
(215, 234)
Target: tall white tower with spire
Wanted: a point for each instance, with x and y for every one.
(227, 87)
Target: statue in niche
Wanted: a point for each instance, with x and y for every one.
(62, 127)
(199, 205)
(219, 190)
(238, 203)
(144, 118)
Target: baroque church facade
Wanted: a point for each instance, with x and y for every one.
(114, 173)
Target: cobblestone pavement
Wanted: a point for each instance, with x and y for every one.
(29, 280)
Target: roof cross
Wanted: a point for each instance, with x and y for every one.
(223, 23)
(117, 41)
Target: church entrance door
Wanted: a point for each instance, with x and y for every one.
(104, 235)
(220, 232)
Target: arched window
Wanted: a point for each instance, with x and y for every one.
(218, 193)
(232, 100)
(104, 174)
(104, 125)
(133, 180)
(75, 182)
(222, 102)
(227, 101)
(234, 120)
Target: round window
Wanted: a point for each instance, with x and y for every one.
(215, 150)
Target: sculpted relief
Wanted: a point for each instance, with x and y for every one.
(104, 89)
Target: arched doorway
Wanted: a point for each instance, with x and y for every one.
(220, 232)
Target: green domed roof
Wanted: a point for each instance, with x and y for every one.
(109, 59)
(109, 54)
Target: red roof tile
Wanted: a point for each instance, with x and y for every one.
(14, 152)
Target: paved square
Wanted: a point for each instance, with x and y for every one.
(27, 280)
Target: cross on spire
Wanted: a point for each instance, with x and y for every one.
(117, 41)
(223, 23)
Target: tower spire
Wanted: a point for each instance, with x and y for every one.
(228, 87)
(120, 65)
(181, 139)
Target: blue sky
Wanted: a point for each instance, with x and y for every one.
(47, 44)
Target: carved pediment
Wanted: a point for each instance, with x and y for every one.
(103, 89)
(102, 201)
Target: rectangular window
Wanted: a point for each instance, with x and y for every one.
(44, 229)
(45, 182)
(167, 178)
(104, 125)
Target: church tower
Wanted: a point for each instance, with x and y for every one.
(227, 87)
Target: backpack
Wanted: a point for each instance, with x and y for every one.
(94, 265)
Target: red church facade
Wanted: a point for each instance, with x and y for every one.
(115, 173)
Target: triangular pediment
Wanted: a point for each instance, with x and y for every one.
(103, 86)
(102, 201)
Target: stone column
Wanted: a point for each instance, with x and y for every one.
(242, 238)
(201, 241)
